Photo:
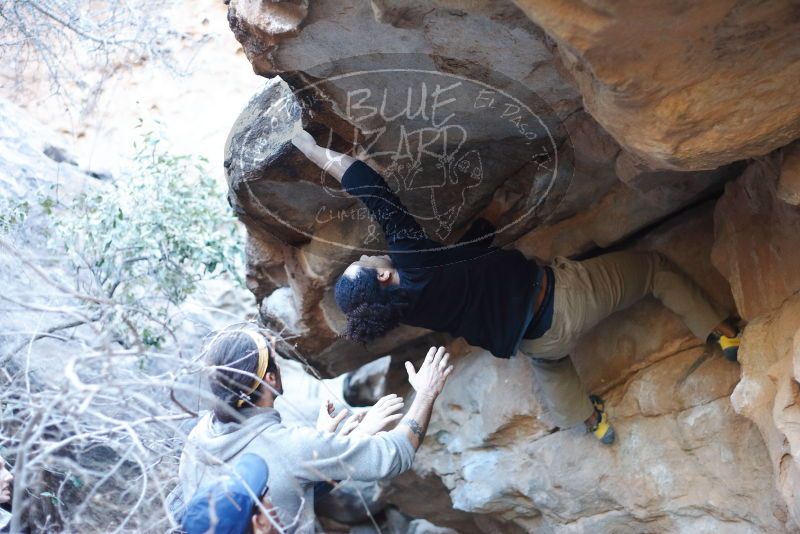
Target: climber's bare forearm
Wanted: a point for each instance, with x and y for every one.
(427, 382)
(415, 423)
(334, 163)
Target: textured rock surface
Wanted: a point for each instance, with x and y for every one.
(654, 107)
(27, 161)
(768, 393)
(189, 95)
(682, 450)
(686, 85)
(303, 231)
(789, 179)
(758, 238)
(367, 384)
(756, 247)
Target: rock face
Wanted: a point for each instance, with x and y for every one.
(756, 248)
(532, 151)
(643, 114)
(673, 83)
(758, 237)
(767, 393)
(678, 465)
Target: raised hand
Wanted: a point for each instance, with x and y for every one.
(303, 140)
(382, 414)
(352, 423)
(332, 162)
(432, 374)
(326, 421)
(268, 523)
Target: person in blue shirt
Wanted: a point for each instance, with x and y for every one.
(496, 298)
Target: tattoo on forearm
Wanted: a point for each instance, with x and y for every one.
(415, 427)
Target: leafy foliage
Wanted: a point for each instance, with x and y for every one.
(12, 214)
(90, 356)
(142, 244)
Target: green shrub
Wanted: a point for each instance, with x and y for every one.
(143, 243)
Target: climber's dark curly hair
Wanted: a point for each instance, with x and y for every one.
(371, 309)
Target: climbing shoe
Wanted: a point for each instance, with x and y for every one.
(602, 429)
(730, 346)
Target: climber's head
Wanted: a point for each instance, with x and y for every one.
(382, 265)
(244, 373)
(6, 478)
(369, 294)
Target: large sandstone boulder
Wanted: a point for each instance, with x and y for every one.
(478, 129)
(756, 247)
(647, 112)
(768, 392)
(690, 85)
(682, 451)
(758, 237)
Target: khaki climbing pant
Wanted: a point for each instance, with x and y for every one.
(586, 292)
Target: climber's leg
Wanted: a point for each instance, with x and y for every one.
(620, 279)
(563, 390)
(587, 292)
(559, 383)
(567, 399)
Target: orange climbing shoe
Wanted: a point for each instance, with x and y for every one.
(602, 429)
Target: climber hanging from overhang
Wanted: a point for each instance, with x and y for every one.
(499, 300)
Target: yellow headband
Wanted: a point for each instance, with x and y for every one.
(263, 362)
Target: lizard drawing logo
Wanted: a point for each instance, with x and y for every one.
(461, 172)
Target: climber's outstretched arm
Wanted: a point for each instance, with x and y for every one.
(329, 160)
(365, 183)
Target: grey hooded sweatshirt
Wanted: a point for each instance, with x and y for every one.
(297, 458)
